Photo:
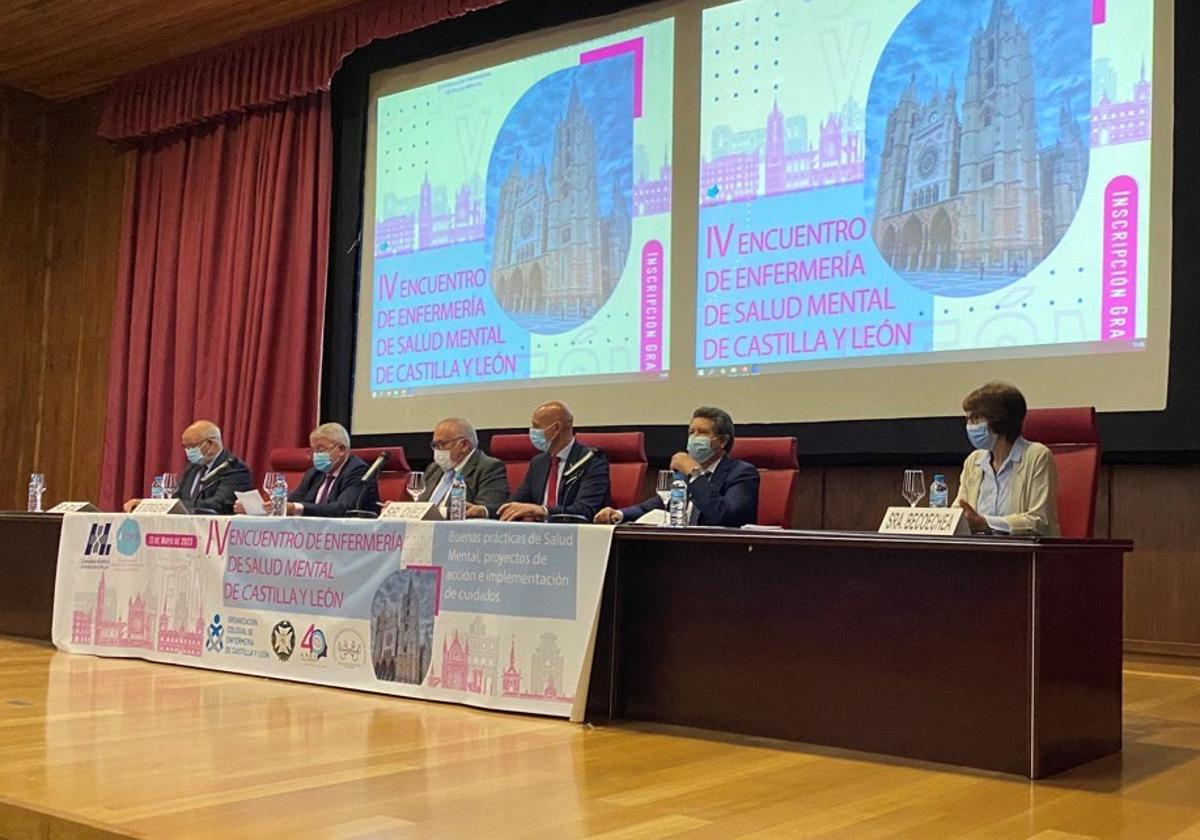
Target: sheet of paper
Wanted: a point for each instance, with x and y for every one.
(252, 502)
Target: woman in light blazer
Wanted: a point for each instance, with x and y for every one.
(1009, 485)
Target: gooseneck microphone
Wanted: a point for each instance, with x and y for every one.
(375, 467)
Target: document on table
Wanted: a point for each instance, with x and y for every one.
(252, 502)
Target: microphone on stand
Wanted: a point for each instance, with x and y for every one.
(375, 467)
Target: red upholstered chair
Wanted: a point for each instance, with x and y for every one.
(1074, 439)
(393, 478)
(516, 452)
(778, 470)
(293, 463)
(626, 453)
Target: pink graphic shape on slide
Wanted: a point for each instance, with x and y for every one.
(1099, 11)
(653, 257)
(1119, 300)
(437, 601)
(637, 47)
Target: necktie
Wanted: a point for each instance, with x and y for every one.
(323, 493)
(552, 483)
(443, 488)
(693, 511)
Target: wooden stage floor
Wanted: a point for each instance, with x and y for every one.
(103, 748)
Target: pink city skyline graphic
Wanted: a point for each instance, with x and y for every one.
(172, 623)
(1128, 121)
(769, 167)
(471, 662)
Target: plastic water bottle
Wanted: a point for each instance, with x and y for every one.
(37, 486)
(156, 488)
(677, 505)
(279, 494)
(458, 499)
(938, 492)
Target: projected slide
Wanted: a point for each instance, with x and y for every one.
(944, 178)
(522, 221)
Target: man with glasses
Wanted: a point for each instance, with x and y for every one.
(456, 451)
(213, 475)
(334, 485)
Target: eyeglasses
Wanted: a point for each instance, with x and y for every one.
(441, 446)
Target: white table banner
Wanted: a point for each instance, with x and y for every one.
(496, 615)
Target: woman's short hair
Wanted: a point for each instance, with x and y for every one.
(1001, 405)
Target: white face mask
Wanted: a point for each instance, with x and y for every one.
(443, 459)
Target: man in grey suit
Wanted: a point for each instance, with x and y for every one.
(456, 450)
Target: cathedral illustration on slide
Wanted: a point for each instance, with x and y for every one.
(555, 259)
(977, 194)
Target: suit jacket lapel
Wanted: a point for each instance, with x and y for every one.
(718, 475)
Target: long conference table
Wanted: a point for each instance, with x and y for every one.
(995, 653)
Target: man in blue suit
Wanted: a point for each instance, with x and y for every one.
(721, 490)
(565, 477)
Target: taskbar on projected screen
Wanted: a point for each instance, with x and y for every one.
(509, 384)
(991, 354)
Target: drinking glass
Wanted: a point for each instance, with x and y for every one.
(170, 483)
(914, 486)
(269, 480)
(665, 479)
(38, 480)
(416, 484)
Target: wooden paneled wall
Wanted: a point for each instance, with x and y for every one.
(61, 191)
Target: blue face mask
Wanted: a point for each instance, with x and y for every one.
(981, 436)
(323, 461)
(538, 438)
(700, 447)
(194, 455)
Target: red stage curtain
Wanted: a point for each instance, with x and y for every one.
(221, 277)
(220, 295)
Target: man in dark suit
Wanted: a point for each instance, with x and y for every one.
(212, 476)
(721, 490)
(565, 477)
(334, 485)
(456, 451)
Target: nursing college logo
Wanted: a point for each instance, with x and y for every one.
(214, 637)
(349, 649)
(283, 640)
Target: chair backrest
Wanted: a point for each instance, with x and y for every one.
(626, 453)
(778, 469)
(292, 462)
(516, 452)
(627, 465)
(1073, 437)
(393, 478)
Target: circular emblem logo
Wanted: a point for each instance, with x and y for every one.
(283, 640)
(349, 649)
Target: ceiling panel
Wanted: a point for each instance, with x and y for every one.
(62, 49)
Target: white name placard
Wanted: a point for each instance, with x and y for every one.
(160, 506)
(411, 511)
(73, 507)
(940, 522)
